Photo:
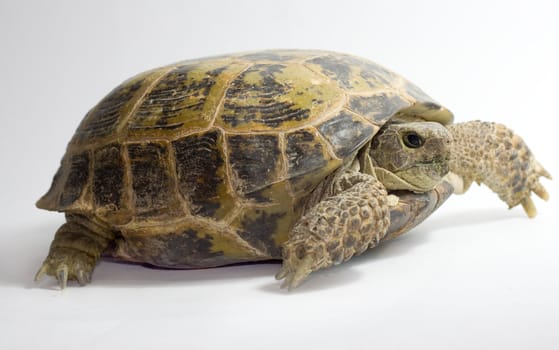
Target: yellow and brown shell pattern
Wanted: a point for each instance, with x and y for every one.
(206, 162)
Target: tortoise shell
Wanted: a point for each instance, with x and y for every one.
(208, 162)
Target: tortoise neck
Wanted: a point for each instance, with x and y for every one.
(363, 162)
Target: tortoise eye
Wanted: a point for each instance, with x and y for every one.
(413, 140)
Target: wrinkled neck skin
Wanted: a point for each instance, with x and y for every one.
(391, 181)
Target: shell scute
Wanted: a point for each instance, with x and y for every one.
(352, 74)
(305, 152)
(379, 107)
(153, 183)
(104, 120)
(202, 174)
(276, 96)
(184, 98)
(346, 133)
(108, 178)
(255, 163)
(76, 180)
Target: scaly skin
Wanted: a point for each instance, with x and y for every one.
(345, 224)
(75, 250)
(494, 155)
(358, 213)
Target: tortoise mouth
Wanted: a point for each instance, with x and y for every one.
(425, 175)
(440, 166)
(436, 169)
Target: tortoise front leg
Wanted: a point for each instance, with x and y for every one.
(75, 250)
(492, 154)
(340, 226)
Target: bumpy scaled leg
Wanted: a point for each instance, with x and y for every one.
(75, 250)
(492, 154)
(354, 218)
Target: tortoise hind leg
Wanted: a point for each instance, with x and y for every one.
(75, 250)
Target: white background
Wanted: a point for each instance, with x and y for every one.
(473, 276)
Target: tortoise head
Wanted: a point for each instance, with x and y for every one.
(411, 155)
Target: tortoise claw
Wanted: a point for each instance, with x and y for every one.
(82, 278)
(529, 207)
(541, 192)
(41, 273)
(62, 275)
(540, 170)
(537, 187)
(282, 273)
(534, 173)
(293, 276)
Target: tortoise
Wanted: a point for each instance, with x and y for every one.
(310, 157)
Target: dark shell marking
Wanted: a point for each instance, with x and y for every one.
(305, 153)
(182, 92)
(76, 180)
(266, 109)
(255, 162)
(347, 133)
(152, 180)
(108, 177)
(208, 162)
(201, 172)
(103, 119)
(377, 108)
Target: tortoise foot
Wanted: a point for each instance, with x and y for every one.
(75, 250)
(66, 264)
(492, 154)
(294, 271)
